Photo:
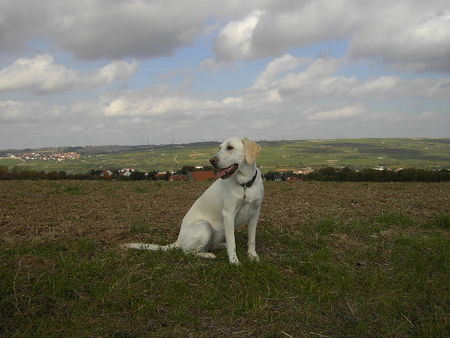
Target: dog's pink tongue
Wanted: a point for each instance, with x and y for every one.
(220, 173)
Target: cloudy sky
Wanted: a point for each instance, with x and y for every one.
(162, 71)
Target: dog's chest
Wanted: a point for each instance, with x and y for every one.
(246, 211)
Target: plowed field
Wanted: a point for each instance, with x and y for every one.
(111, 212)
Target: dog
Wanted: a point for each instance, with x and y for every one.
(234, 199)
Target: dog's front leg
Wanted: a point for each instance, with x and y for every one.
(251, 229)
(228, 223)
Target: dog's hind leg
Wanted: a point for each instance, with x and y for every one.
(218, 241)
(196, 238)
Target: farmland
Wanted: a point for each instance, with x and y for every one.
(355, 153)
(337, 259)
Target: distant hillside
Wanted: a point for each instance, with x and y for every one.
(107, 149)
(293, 154)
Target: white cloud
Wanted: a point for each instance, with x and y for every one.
(163, 104)
(316, 79)
(17, 111)
(380, 84)
(42, 75)
(235, 40)
(276, 67)
(129, 117)
(147, 106)
(284, 24)
(343, 113)
(321, 79)
(232, 100)
(104, 29)
(409, 35)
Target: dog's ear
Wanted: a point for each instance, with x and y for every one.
(251, 150)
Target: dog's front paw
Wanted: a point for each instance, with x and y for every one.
(209, 255)
(234, 260)
(253, 256)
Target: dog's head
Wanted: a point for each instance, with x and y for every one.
(233, 154)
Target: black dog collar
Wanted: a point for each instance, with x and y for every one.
(249, 184)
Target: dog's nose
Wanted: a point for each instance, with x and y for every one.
(213, 161)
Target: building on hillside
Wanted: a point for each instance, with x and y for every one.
(294, 179)
(201, 175)
(382, 167)
(126, 171)
(178, 177)
(106, 173)
(161, 175)
(304, 171)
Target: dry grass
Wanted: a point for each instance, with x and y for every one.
(42, 211)
(338, 259)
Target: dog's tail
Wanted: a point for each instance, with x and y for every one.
(153, 247)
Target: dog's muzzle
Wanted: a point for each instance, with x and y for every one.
(223, 172)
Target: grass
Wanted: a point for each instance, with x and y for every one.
(337, 259)
(387, 276)
(442, 220)
(73, 190)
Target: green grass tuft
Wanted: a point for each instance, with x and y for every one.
(325, 226)
(142, 190)
(441, 220)
(73, 190)
(396, 219)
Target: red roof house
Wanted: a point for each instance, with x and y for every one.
(202, 175)
(178, 177)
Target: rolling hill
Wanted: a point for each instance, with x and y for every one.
(293, 154)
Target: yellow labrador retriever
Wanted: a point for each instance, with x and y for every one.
(232, 200)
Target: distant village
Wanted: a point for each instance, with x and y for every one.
(47, 156)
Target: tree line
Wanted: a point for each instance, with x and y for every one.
(323, 174)
(18, 173)
(365, 175)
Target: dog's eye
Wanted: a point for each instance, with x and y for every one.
(230, 148)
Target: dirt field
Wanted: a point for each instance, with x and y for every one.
(337, 260)
(113, 212)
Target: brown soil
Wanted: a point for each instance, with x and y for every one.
(42, 211)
